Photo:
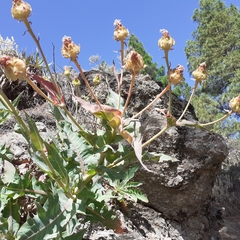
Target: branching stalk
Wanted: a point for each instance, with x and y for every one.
(157, 97)
(189, 101)
(155, 136)
(216, 121)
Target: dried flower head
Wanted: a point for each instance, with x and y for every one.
(20, 10)
(14, 67)
(70, 49)
(134, 62)
(235, 104)
(166, 42)
(175, 75)
(120, 32)
(200, 73)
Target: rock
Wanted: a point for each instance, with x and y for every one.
(180, 192)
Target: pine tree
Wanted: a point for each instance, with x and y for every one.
(152, 69)
(216, 41)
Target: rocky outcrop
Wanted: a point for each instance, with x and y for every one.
(179, 192)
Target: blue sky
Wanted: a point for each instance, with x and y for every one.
(90, 24)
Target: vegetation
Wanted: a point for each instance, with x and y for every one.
(77, 163)
(216, 41)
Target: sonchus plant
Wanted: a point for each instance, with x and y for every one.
(77, 162)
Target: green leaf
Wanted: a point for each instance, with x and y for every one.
(136, 194)
(57, 161)
(98, 212)
(79, 144)
(34, 135)
(8, 172)
(112, 100)
(5, 112)
(50, 220)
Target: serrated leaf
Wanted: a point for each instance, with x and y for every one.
(136, 194)
(98, 212)
(46, 223)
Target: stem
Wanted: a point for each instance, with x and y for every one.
(111, 165)
(170, 91)
(21, 122)
(216, 121)
(155, 136)
(157, 97)
(27, 24)
(86, 82)
(119, 90)
(35, 87)
(166, 59)
(129, 94)
(13, 110)
(190, 99)
(170, 101)
(27, 190)
(122, 53)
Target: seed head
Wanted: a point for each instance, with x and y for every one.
(134, 62)
(70, 49)
(20, 10)
(166, 42)
(235, 104)
(120, 32)
(14, 67)
(200, 73)
(175, 75)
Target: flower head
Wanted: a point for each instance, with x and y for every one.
(66, 71)
(200, 73)
(96, 80)
(175, 75)
(235, 104)
(69, 48)
(14, 67)
(120, 32)
(76, 82)
(134, 62)
(20, 10)
(166, 42)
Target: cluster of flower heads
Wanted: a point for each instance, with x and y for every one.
(15, 68)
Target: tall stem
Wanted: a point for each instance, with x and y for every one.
(86, 82)
(157, 97)
(216, 121)
(190, 99)
(129, 94)
(35, 87)
(155, 136)
(27, 24)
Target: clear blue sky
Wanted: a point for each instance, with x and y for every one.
(90, 24)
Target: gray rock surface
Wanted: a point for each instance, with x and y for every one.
(180, 193)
